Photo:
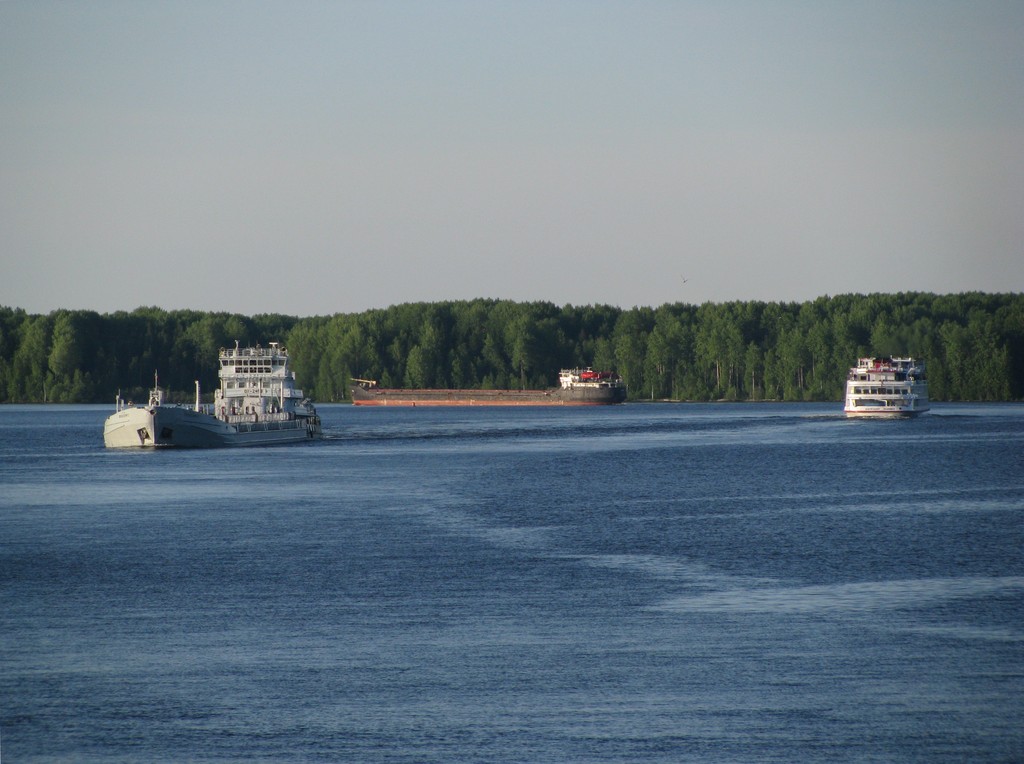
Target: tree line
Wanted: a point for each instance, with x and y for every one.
(973, 344)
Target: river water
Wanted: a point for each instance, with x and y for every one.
(648, 582)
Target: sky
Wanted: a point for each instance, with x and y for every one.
(312, 158)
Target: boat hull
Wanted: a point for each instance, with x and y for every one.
(882, 413)
(902, 401)
(179, 427)
(595, 396)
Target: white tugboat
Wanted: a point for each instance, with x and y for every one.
(257, 405)
(886, 387)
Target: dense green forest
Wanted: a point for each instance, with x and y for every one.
(973, 344)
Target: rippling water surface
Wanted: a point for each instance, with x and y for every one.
(649, 582)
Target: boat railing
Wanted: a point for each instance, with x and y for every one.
(274, 351)
(869, 364)
(882, 394)
(277, 416)
(270, 426)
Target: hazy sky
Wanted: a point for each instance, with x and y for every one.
(321, 157)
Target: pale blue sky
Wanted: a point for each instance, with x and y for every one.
(321, 157)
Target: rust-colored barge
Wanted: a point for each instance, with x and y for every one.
(578, 387)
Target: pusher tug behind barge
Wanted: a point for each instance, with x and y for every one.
(257, 405)
(577, 387)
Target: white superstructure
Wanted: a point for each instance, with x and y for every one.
(573, 378)
(886, 387)
(257, 404)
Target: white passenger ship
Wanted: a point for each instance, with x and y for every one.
(257, 405)
(886, 387)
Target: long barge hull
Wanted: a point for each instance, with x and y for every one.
(603, 396)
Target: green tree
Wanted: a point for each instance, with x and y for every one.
(630, 344)
(30, 364)
(973, 344)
